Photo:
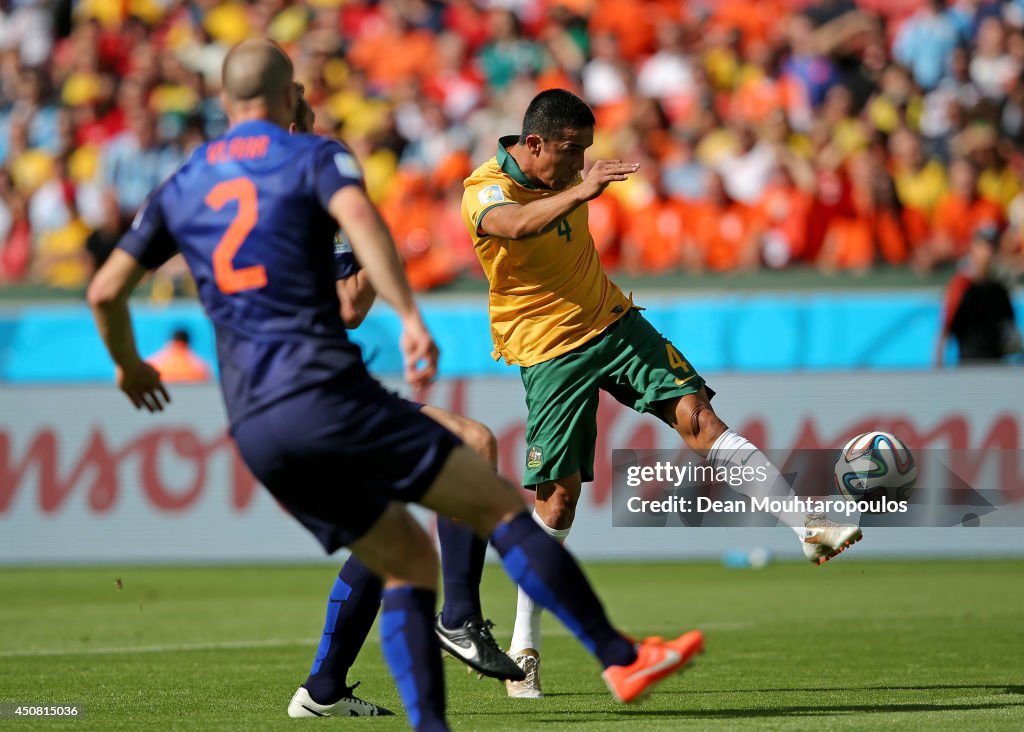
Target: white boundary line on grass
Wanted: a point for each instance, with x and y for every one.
(169, 648)
(720, 626)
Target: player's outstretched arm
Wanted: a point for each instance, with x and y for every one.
(108, 298)
(374, 248)
(521, 221)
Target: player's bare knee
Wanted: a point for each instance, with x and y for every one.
(559, 510)
(468, 490)
(698, 424)
(398, 549)
(560, 518)
(709, 425)
(482, 441)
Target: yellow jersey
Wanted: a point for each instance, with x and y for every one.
(548, 293)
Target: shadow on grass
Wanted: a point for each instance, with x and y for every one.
(1007, 688)
(782, 711)
(795, 710)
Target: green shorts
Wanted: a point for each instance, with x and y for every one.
(630, 360)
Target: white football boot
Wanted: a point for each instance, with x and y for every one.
(529, 688)
(824, 538)
(350, 705)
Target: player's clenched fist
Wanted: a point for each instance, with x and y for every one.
(604, 172)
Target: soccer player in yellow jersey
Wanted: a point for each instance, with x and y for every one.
(556, 315)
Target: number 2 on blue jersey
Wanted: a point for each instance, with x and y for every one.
(230, 280)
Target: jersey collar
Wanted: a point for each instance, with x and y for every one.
(508, 164)
(252, 125)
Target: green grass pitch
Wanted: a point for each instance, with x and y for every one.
(852, 645)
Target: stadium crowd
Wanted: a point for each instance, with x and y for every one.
(770, 133)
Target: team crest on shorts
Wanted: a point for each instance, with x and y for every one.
(534, 458)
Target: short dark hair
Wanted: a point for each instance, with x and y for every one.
(552, 112)
(301, 105)
(181, 335)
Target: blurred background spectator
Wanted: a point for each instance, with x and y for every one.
(835, 135)
(978, 314)
(178, 363)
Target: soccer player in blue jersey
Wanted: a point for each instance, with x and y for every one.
(355, 597)
(253, 213)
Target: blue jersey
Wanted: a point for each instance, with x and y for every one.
(249, 213)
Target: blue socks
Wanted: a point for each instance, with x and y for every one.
(549, 575)
(413, 654)
(407, 633)
(462, 565)
(355, 600)
(352, 606)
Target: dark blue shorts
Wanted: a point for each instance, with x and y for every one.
(336, 455)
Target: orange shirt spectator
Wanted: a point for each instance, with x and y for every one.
(606, 222)
(757, 20)
(633, 22)
(960, 213)
(756, 98)
(784, 209)
(833, 199)
(957, 217)
(918, 227)
(872, 226)
(848, 245)
(395, 54)
(452, 240)
(654, 236)
(449, 230)
(894, 244)
(725, 233)
(410, 210)
(178, 363)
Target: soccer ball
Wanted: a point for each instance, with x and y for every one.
(875, 466)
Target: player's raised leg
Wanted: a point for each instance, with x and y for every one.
(466, 489)
(693, 417)
(463, 631)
